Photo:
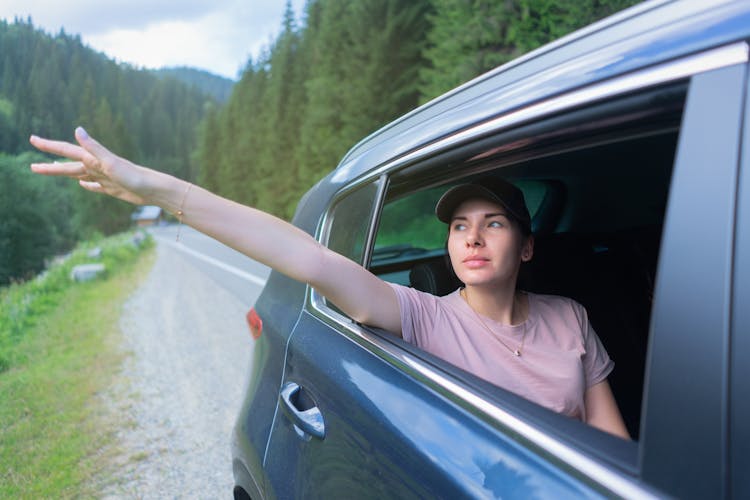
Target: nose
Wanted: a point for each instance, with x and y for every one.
(474, 238)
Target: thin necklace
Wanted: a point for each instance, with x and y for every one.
(516, 352)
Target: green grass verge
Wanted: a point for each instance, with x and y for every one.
(59, 349)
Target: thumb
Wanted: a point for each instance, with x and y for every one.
(91, 145)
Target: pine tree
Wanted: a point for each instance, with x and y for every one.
(321, 143)
(470, 37)
(274, 166)
(365, 56)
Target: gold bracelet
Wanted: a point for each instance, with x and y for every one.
(180, 213)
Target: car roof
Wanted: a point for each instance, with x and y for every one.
(644, 35)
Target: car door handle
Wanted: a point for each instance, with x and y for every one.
(306, 417)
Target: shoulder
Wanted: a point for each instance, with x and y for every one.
(558, 308)
(409, 293)
(422, 314)
(411, 299)
(555, 302)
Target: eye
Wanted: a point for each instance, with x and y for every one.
(496, 223)
(458, 226)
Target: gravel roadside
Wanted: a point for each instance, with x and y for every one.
(181, 388)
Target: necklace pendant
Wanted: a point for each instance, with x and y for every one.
(517, 353)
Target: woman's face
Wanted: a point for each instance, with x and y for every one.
(485, 245)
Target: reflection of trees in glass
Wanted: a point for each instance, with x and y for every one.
(411, 220)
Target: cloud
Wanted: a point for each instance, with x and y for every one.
(222, 41)
(97, 16)
(218, 35)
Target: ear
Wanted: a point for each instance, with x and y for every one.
(527, 250)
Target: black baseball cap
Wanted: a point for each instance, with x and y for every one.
(493, 189)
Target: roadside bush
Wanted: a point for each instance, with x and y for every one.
(21, 304)
(35, 218)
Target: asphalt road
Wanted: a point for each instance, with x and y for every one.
(231, 270)
(189, 350)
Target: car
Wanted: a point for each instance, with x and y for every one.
(630, 142)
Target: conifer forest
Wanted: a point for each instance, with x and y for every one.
(329, 79)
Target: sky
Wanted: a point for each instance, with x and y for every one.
(215, 35)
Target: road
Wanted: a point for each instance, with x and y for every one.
(189, 350)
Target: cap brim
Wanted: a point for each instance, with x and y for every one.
(452, 198)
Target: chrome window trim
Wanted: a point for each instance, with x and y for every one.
(598, 474)
(373, 227)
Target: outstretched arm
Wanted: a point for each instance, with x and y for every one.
(259, 235)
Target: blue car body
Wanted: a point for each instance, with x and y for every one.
(336, 410)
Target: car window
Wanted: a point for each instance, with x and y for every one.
(349, 220)
(597, 201)
(347, 225)
(410, 221)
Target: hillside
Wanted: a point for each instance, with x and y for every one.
(49, 84)
(352, 67)
(216, 86)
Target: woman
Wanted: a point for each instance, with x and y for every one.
(540, 347)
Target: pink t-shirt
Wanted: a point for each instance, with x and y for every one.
(562, 355)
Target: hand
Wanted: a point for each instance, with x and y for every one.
(96, 168)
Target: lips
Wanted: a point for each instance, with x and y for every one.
(475, 261)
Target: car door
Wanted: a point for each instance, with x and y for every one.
(381, 433)
(360, 417)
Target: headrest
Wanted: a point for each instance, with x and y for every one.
(433, 277)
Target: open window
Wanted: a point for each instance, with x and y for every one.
(596, 181)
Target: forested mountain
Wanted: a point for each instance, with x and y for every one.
(216, 86)
(353, 66)
(347, 68)
(48, 86)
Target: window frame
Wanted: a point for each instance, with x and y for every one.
(527, 425)
(688, 369)
(739, 362)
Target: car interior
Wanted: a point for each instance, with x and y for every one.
(597, 183)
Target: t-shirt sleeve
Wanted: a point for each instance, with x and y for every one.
(596, 362)
(417, 314)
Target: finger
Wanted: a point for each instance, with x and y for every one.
(91, 145)
(98, 187)
(70, 169)
(91, 186)
(60, 148)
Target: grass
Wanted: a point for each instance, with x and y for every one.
(53, 438)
